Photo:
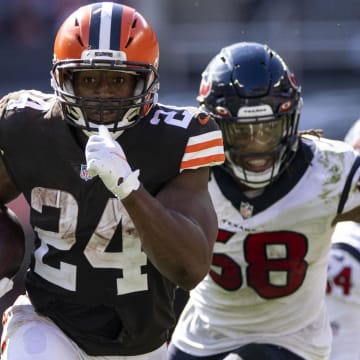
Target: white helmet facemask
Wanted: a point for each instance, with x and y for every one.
(253, 179)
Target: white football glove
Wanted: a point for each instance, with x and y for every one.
(106, 158)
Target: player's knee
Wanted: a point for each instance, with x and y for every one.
(33, 341)
(30, 342)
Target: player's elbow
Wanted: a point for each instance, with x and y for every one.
(195, 267)
(189, 279)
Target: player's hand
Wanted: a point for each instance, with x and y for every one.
(106, 158)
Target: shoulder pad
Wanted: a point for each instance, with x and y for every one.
(4, 101)
(25, 99)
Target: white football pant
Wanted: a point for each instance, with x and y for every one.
(27, 335)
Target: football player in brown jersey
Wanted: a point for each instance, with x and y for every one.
(117, 186)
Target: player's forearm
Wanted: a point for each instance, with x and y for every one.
(8, 191)
(177, 246)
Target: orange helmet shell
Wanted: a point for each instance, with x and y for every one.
(107, 26)
(106, 36)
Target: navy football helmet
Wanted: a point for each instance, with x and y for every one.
(255, 99)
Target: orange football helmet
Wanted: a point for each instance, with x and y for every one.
(106, 36)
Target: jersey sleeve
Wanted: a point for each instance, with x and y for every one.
(344, 263)
(25, 99)
(5, 100)
(350, 197)
(205, 145)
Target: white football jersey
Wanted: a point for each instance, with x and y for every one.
(343, 291)
(268, 276)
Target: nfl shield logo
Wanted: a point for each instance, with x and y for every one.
(246, 210)
(84, 174)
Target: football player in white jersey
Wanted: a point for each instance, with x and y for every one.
(343, 290)
(278, 196)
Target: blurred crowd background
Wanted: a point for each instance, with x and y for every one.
(319, 39)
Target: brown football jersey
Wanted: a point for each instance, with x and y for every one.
(88, 271)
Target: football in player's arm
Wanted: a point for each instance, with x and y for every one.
(343, 287)
(12, 248)
(277, 197)
(117, 185)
